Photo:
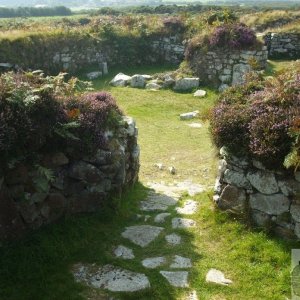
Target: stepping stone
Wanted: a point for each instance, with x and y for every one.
(173, 239)
(195, 125)
(123, 252)
(182, 223)
(192, 296)
(180, 262)
(142, 235)
(177, 279)
(111, 278)
(157, 202)
(154, 262)
(161, 218)
(189, 207)
(216, 276)
(200, 93)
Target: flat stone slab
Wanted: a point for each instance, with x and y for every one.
(183, 223)
(200, 93)
(161, 218)
(195, 125)
(153, 262)
(156, 201)
(173, 239)
(123, 252)
(177, 279)
(189, 115)
(111, 278)
(216, 276)
(189, 207)
(142, 235)
(180, 262)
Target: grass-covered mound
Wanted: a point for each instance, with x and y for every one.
(41, 114)
(261, 119)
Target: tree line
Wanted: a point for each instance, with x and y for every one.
(34, 11)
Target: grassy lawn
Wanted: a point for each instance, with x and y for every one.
(38, 267)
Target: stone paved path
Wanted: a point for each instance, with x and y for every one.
(173, 269)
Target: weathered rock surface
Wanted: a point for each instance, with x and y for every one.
(153, 86)
(177, 279)
(180, 262)
(236, 178)
(216, 276)
(156, 201)
(239, 72)
(189, 115)
(161, 218)
(189, 207)
(123, 252)
(295, 212)
(173, 239)
(186, 84)
(142, 235)
(111, 278)
(271, 204)
(182, 223)
(195, 125)
(233, 198)
(138, 81)
(153, 262)
(265, 182)
(120, 80)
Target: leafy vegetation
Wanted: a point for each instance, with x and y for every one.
(260, 119)
(51, 114)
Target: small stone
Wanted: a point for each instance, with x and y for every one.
(159, 166)
(173, 239)
(153, 262)
(161, 218)
(189, 115)
(153, 86)
(189, 207)
(120, 80)
(177, 279)
(138, 81)
(142, 235)
(94, 75)
(195, 125)
(172, 170)
(123, 252)
(200, 93)
(182, 223)
(111, 278)
(180, 262)
(216, 276)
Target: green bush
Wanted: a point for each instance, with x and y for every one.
(259, 120)
(41, 114)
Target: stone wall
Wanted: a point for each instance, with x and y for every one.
(270, 199)
(72, 54)
(283, 45)
(224, 68)
(28, 199)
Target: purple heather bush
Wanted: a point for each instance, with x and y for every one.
(44, 114)
(258, 122)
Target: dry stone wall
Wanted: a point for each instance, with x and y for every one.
(72, 54)
(283, 45)
(270, 199)
(223, 67)
(29, 200)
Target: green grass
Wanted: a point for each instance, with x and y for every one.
(38, 267)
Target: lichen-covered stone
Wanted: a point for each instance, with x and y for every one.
(264, 181)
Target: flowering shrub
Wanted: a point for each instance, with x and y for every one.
(261, 122)
(44, 114)
(174, 25)
(236, 36)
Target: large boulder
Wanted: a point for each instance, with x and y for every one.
(120, 80)
(138, 81)
(186, 84)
